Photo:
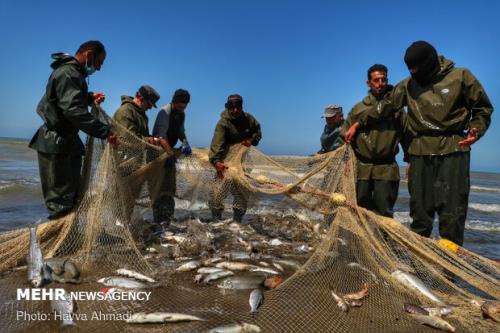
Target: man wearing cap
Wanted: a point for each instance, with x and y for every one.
(331, 139)
(132, 112)
(376, 147)
(169, 126)
(448, 110)
(64, 111)
(234, 127)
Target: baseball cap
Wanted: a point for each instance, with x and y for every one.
(149, 93)
(331, 110)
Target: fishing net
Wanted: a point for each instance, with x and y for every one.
(337, 247)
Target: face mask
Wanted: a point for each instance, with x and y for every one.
(89, 70)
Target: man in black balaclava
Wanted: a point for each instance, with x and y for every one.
(422, 61)
(448, 110)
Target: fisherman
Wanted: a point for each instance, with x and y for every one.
(169, 126)
(132, 116)
(331, 139)
(132, 112)
(376, 147)
(64, 111)
(234, 127)
(448, 110)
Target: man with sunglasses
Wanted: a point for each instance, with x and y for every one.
(234, 127)
(376, 147)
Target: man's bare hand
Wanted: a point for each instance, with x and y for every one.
(351, 132)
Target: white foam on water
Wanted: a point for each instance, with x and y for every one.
(403, 217)
(489, 208)
(482, 225)
(475, 188)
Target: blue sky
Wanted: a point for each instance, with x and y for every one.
(288, 59)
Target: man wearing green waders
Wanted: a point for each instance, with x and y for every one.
(64, 111)
(376, 147)
(448, 111)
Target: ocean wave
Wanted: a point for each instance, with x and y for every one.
(482, 225)
(475, 188)
(404, 217)
(488, 208)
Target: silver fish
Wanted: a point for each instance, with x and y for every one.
(415, 283)
(237, 255)
(264, 270)
(415, 309)
(217, 275)
(134, 274)
(255, 300)
(189, 266)
(235, 328)
(439, 311)
(235, 266)
(121, 282)
(160, 317)
(64, 308)
(341, 303)
(211, 261)
(289, 263)
(35, 260)
(242, 282)
(435, 322)
(208, 270)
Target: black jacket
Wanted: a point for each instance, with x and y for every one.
(64, 110)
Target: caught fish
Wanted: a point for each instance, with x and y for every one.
(242, 282)
(491, 309)
(358, 295)
(255, 300)
(273, 282)
(236, 328)
(212, 261)
(263, 263)
(189, 266)
(64, 308)
(35, 260)
(217, 275)
(439, 311)
(415, 309)
(160, 317)
(278, 266)
(435, 322)
(289, 263)
(264, 270)
(341, 303)
(121, 282)
(356, 265)
(208, 270)
(234, 266)
(415, 283)
(134, 274)
(236, 255)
